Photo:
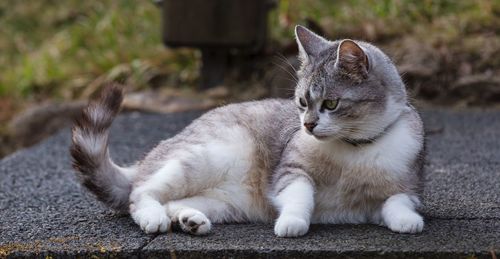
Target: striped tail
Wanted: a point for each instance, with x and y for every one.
(95, 169)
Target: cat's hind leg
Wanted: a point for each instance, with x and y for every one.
(147, 198)
(195, 215)
(199, 167)
(150, 216)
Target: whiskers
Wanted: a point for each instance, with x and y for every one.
(285, 65)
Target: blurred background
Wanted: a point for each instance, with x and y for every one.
(54, 55)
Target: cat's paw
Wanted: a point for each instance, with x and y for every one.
(407, 222)
(290, 226)
(194, 222)
(151, 219)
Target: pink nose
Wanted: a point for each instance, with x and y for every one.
(310, 126)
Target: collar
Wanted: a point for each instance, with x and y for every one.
(367, 141)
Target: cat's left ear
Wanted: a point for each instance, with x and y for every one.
(352, 60)
(310, 44)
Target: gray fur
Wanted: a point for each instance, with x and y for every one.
(89, 150)
(372, 106)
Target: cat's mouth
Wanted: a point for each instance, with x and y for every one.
(319, 136)
(316, 135)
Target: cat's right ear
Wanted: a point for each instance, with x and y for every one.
(310, 44)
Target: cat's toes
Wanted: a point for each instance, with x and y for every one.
(151, 219)
(290, 226)
(409, 222)
(194, 222)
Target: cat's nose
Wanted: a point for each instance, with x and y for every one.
(310, 125)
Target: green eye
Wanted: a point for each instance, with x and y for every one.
(302, 102)
(330, 104)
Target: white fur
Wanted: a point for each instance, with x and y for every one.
(92, 144)
(391, 154)
(129, 172)
(399, 214)
(146, 209)
(222, 168)
(150, 216)
(162, 182)
(216, 175)
(194, 222)
(214, 209)
(295, 204)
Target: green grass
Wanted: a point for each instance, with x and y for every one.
(54, 49)
(391, 18)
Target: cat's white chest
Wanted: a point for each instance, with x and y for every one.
(351, 185)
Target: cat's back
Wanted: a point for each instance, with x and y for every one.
(233, 147)
(266, 125)
(257, 113)
(269, 121)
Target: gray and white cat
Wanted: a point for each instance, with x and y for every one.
(348, 149)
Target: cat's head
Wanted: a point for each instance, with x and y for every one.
(346, 89)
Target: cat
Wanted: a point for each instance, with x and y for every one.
(348, 148)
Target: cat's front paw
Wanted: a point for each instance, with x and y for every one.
(407, 222)
(194, 222)
(151, 219)
(290, 226)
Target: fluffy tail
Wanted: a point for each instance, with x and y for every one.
(97, 172)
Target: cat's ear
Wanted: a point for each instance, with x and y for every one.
(352, 60)
(310, 44)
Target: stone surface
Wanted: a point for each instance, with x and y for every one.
(440, 238)
(43, 210)
(463, 164)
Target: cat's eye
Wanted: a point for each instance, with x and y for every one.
(302, 102)
(330, 104)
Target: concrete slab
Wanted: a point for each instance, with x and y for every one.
(463, 164)
(43, 211)
(441, 238)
